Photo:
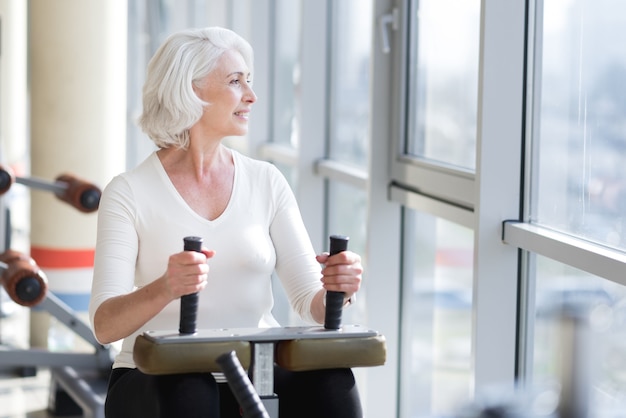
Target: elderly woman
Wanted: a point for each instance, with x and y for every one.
(197, 92)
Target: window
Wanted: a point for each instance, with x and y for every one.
(286, 72)
(436, 316)
(348, 118)
(350, 97)
(347, 217)
(149, 23)
(599, 312)
(459, 104)
(574, 235)
(444, 81)
(579, 135)
(437, 104)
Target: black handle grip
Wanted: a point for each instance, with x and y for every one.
(90, 199)
(189, 303)
(29, 289)
(334, 300)
(240, 385)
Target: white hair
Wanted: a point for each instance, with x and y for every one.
(170, 105)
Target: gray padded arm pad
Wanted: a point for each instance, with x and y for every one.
(315, 354)
(292, 354)
(190, 357)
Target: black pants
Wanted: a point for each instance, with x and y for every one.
(315, 394)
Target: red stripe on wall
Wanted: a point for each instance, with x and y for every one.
(62, 258)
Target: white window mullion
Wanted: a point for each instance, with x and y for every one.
(383, 244)
(312, 118)
(498, 171)
(261, 41)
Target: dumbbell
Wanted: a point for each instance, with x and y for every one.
(25, 283)
(79, 193)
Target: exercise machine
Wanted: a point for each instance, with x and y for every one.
(298, 348)
(78, 379)
(81, 375)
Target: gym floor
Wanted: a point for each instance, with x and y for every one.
(25, 397)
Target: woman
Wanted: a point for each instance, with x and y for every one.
(197, 92)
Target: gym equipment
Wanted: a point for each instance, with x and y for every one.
(258, 349)
(83, 376)
(22, 279)
(334, 300)
(241, 386)
(78, 379)
(79, 193)
(189, 303)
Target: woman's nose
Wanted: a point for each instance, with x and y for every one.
(250, 96)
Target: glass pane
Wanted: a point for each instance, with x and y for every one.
(436, 322)
(579, 133)
(347, 211)
(352, 37)
(443, 81)
(286, 71)
(290, 173)
(604, 321)
(149, 23)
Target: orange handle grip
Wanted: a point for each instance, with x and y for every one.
(79, 193)
(23, 280)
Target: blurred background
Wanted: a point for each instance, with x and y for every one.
(472, 150)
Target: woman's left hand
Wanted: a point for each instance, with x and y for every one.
(341, 272)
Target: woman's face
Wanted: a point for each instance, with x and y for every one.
(228, 91)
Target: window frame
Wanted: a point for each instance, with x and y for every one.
(483, 198)
(435, 180)
(522, 233)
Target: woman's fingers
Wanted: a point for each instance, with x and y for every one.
(187, 272)
(341, 272)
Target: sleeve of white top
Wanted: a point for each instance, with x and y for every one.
(296, 266)
(116, 245)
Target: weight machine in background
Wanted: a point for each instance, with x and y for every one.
(78, 379)
(78, 193)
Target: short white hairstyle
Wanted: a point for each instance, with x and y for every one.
(170, 104)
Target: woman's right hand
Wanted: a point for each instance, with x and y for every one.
(187, 272)
(120, 316)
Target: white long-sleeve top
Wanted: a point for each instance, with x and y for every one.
(142, 220)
